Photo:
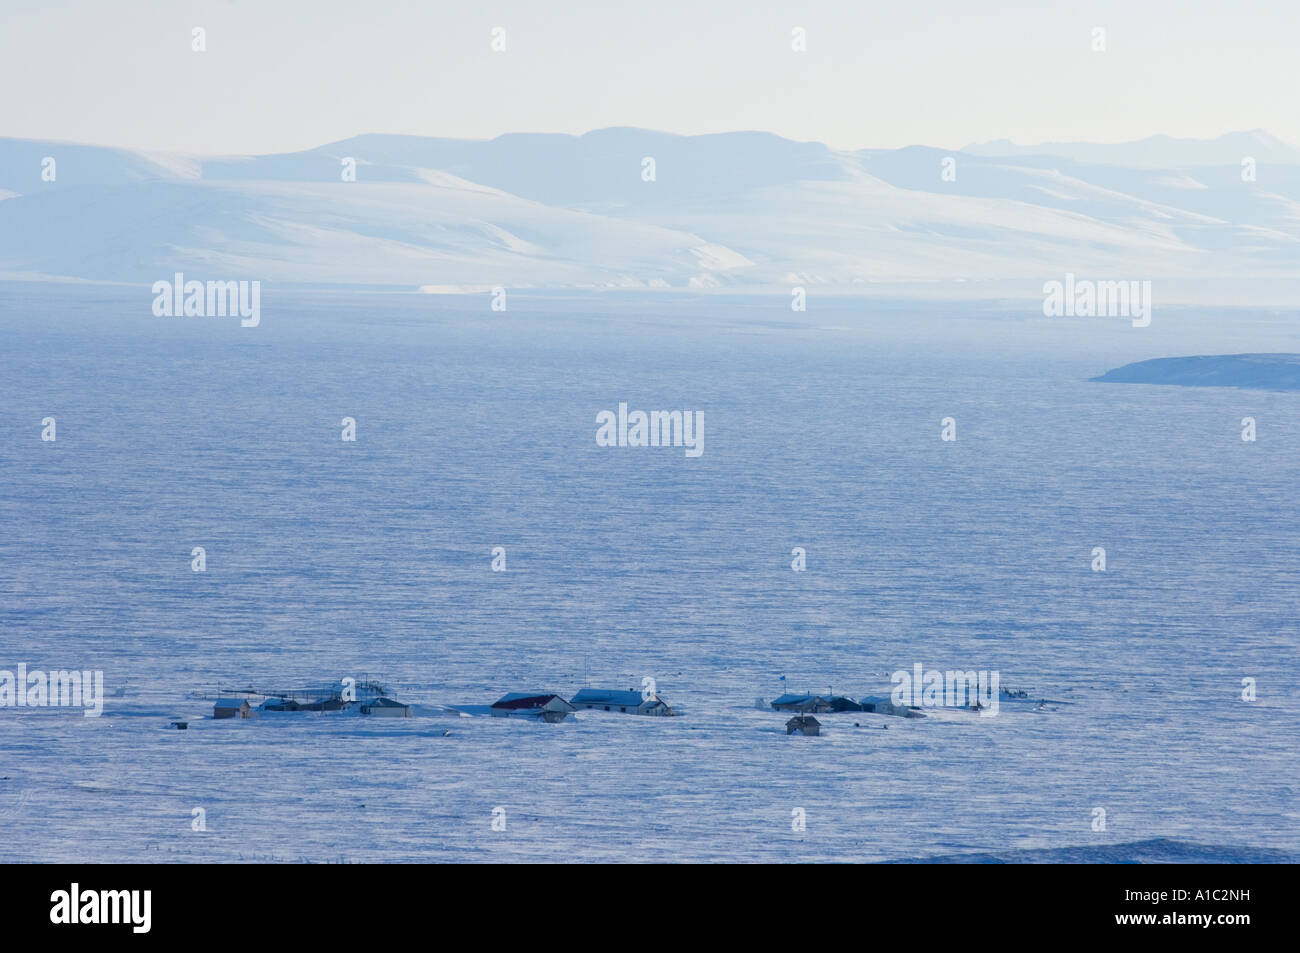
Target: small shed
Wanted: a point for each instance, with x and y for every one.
(386, 708)
(805, 725)
(231, 708)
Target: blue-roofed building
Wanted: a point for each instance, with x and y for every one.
(629, 702)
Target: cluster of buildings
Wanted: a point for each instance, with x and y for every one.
(806, 704)
(552, 707)
(369, 698)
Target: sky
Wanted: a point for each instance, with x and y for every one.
(282, 75)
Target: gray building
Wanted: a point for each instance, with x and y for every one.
(805, 725)
(630, 702)
(231, 708)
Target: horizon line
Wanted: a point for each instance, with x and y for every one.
(644, 129)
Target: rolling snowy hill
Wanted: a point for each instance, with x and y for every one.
(741, 211)
(1254, 371)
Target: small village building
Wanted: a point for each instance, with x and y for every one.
(333, 703)
(231, 708)
(630, 702)
(816, 703)
(280, 704)
(548, 706)
(792, 701)
(886, 706)
(386, 708)
(805, 725)
(844, 703)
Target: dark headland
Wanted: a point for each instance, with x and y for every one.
(1261, 371)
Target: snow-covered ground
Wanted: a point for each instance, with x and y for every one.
(475, 429)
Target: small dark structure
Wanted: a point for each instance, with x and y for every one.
(324, 704)
(805, 725)
(386, 707)
(280, 704)
(816, 703)
(231, 708)
(180, 725)
(886, 706)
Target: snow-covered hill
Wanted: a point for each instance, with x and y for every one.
(741, 211)
(1158, 151)
(1256, 371)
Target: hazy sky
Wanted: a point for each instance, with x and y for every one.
(280, 75)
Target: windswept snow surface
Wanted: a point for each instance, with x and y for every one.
(476, 429)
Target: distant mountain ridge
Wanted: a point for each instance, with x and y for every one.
(625, 208)
(1156, 151)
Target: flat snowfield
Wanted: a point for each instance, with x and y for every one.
(476, 429)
